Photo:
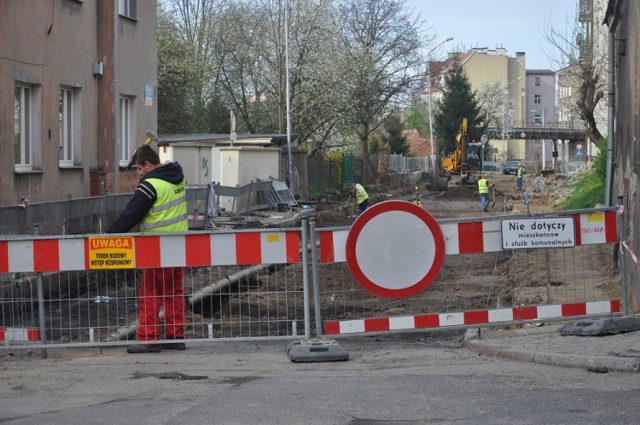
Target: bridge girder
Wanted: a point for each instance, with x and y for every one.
(538, 133)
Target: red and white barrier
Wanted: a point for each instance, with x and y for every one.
(472, 237)
(150, 251)
(469, 318)
(19, 335)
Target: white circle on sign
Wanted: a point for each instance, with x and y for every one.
(395, 249)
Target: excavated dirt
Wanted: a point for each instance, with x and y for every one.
(466, 282)
(478, 281)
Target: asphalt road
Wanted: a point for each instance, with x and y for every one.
(410, 379)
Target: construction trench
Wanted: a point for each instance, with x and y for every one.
(268, 299)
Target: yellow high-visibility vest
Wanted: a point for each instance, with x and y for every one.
(169, 212)
(361, 194)
(483, 187)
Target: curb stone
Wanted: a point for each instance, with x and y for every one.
(592, 363)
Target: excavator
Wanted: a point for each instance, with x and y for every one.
(466, 159)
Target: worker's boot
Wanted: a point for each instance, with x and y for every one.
(174, 345)
(142, 348)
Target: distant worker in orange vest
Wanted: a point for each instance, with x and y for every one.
(362, 198)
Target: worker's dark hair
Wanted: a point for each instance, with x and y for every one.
(145, 153)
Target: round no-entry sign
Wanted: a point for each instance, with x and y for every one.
(395, 249)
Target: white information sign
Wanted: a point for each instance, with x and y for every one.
(532, 233)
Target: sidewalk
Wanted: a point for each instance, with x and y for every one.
(544, 344)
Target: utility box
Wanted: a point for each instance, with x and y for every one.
(208, 162)
(231, 166)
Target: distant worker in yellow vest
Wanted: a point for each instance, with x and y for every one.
(362, 198)
(483, 188)
(519, 175)
(159, 204)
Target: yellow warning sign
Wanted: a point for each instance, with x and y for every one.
(597, 217)
(111, 253)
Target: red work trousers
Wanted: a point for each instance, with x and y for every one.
(158, 287)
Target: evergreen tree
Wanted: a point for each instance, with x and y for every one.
(393, 137)
(458, 101)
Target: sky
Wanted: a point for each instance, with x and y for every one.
(517, 25)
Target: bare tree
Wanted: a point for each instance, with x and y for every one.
(251, 59)
(381, 45)
(579, 56)
(194, 23)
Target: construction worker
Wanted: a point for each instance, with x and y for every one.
(483, 188)
(537, 183)
(362, 198)
(158, 205)
(519, 174)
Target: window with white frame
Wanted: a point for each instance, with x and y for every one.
(22, 127)
(537, 119)
(128, 8)
(127, 129)
(536, 99)
(67, 125)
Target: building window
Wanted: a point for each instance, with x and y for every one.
(126, 129)
(128, 8)
(536, 99)
(537, 81)
(537, 119)
(22, 127)
(66, 124)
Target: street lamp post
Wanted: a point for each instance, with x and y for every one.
(433, 156)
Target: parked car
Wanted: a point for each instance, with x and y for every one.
(511, 167)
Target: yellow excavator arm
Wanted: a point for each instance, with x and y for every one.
(452, 163)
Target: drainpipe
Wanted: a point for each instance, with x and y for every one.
(610, 122)
(116, 98)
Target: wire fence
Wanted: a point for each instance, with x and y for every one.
(255, 284)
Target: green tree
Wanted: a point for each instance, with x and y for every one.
(417, 118)
(393, 137)
(589, 189)
(458, 102)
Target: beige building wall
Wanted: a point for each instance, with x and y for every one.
(483, 68)
(487, 67)
(68, 45)
(137, 69)
(41, 49)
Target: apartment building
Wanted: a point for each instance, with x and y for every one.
(484, 66)
(622, 17)
(61, 66)
(540, 111)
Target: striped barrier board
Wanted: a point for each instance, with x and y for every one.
(150, 251)
(470, 318)
(473, 237)
(19, 335)
(634, 257)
